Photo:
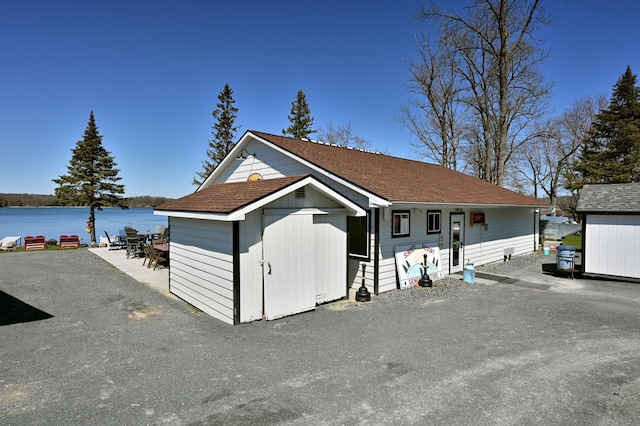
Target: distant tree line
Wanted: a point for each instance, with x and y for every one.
(38, 200)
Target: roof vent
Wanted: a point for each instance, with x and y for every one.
(300, 193)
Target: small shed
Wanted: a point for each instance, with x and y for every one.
(611, 229)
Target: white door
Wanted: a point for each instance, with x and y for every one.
(330, 256)
(288, 265)
(456, 255)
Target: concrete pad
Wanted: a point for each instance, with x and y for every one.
(158, 279)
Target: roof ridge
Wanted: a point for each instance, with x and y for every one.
(319, 142)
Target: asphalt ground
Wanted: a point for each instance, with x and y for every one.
(83, 343)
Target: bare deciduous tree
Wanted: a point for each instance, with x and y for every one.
(543, 159)
(342, 135)
(496, 49)
(435, 115)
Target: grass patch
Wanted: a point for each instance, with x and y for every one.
(569, 240)
(50, 247)
(573, 240)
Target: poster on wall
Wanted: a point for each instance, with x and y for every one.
(409, 263)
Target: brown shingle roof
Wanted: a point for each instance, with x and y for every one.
(397, 179)
(229, 197)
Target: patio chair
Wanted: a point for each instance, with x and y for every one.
(35, 243)
(148, 253)
(134, 248)
(158, 256)
(67, 241)
(116, 243)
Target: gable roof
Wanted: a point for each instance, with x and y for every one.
(610, 198)
(396, 179)
(231, 201)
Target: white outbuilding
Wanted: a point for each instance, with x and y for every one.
(284, 224)
(611, 229)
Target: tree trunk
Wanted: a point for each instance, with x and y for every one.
(91, 225)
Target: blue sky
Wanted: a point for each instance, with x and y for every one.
(151, 71)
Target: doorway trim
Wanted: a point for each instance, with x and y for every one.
(456, 239)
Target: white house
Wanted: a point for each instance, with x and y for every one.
(611, 229)
(284, 224)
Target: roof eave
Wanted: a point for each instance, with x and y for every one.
(223, 217)
(479, 205)
(309, 180)
(241, 212)
(617, 212)
(229, 158)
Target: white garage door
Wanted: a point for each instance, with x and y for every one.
(304, 261)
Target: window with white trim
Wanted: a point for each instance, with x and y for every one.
(433, 221)
(400, 224)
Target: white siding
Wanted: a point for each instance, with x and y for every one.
(418, 235)
(612, 245)
(201, 270)
(268, 162)
(506, 227)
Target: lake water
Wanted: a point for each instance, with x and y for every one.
(55, 221)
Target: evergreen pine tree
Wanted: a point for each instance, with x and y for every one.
(92, 178)
(300, 118)
(224, 134)
(611, 151)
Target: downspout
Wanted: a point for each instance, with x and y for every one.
(536, 226)
(236, 272)
(583, 258)
(376, 249)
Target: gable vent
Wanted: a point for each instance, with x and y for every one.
(300, 193)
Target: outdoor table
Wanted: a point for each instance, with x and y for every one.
(162, 247)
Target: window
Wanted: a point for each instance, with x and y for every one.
(358, 236)
(400, 224)
(433, 221)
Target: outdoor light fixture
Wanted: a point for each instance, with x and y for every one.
(244, 154)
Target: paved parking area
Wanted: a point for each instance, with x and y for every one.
(114, 351)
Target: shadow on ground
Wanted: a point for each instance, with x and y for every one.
(14, 311)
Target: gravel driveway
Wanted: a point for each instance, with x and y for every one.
(116, 352)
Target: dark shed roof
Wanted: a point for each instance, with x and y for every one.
(610, 198)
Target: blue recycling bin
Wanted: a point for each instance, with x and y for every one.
(469, 273)
(565, 257)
